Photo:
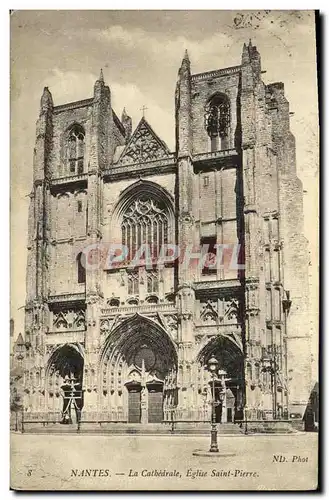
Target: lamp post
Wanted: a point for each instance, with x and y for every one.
(270, 366)
(212, 367)
(286, 305)
(72, 392)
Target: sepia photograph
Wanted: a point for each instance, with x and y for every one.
(164, 219)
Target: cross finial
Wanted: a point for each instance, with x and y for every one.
(143, 109)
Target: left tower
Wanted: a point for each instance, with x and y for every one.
(74, 144)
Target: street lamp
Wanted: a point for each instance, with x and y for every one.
(71, 394)
(212, 367)
(286, 305)
(270, 366)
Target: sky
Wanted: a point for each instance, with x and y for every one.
(140, 53)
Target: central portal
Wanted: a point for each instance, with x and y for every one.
(139, 372)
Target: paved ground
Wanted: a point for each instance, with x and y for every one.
(70, 462)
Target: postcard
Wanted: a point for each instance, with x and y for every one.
(164, 250)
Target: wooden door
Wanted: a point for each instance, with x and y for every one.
(155, 405)
(134, 405)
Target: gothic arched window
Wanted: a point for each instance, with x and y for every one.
(81, 259)
(217, 121)
(145, 221)
(76, 149)
(248, 371)
(152, 282)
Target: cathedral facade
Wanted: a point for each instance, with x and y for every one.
(136, 339)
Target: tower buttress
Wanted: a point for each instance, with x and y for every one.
(245, 55)
(252, 155)
(101, 144)
(183, 109)
(185, 292)
(38, 226)
(127, 124)
(185, 166)
(101, 155)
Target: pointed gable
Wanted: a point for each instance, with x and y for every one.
(19, 345)
(20, 340)
(144, 145)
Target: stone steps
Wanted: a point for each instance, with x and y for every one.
(133, 429)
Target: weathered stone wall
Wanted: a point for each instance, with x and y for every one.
(294, 252)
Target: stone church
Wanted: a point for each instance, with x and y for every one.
(137, 339)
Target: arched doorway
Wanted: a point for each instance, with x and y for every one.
(139, 365)
(64, 377)
(229, 380)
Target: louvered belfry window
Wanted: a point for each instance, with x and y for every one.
(217, 121)
(76, 149)
(145, 221)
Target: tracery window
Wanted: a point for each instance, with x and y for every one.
(76, 149)
(152, 282)
(81, 262)
(145, 222)
(133, 283)
(217, 121)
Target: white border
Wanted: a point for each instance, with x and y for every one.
(4, 282)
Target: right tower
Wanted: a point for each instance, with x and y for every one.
(238, 189)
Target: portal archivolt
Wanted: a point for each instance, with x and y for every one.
(138, 372)
(64, 374)
(230, 378)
